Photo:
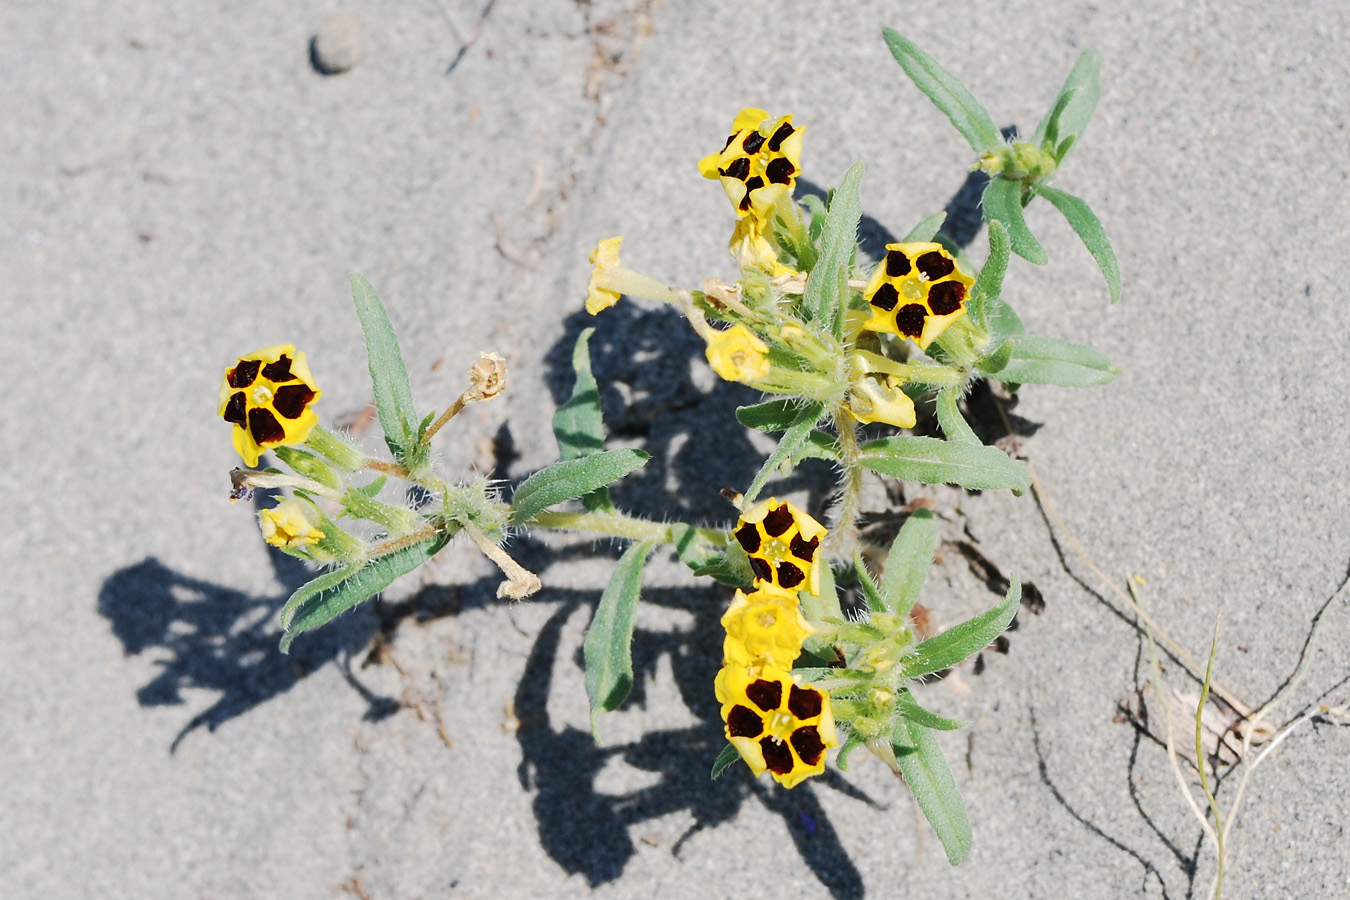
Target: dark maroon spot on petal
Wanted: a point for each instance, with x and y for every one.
(235, 410)
(743, 722)
(778, 520)
(754, 142)
(804, 550)
(780, 171)
(885, 298)
(782, 134)
(789, 576)
(739, 169)
(244, 374)
(291, 400)
(744, 205)
(763, 571)
(934, 265)
(754, 184)
(748, 537)
(278, 371)
(777, 756)
(765, 694)
(804, 702)
(909, 320)
(945, 297)
(806, 741)
(897, 263)
(264, 427)
(730, 138)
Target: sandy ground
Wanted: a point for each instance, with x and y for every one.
(180, 186)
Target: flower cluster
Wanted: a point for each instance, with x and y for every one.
(775, 722)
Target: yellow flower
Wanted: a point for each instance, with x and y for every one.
(759, 162)
(268, 397)
(289, 524)
(750, 247)
(782, 543)
(604, 257)
(916, 292)
(881, 399)
(775, 722)
(764, 626)
(738, 354)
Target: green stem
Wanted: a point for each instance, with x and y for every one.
(852, 482)
(620, 525)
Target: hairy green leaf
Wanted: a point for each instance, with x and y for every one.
(927, 229)
(333, 593)
(908, 562)
(822, 301)
(954, 425)
(1073, 108)
(388, 375)
(930, 780)
(774, 415)
(793, 441)
(947, 93)
(571, 479)
(608, 647)
(988, 285)
(932, 461)
(964, 640)
(911, 710)
(578, 424)
(724, 760)
(1047, 360)
(869, 587)
(1082, 219)
(1003, 203)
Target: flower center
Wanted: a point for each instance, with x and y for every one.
(775, 550)
(261, 394)
(912, 290)
(780, 724)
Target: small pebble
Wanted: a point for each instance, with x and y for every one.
(339, 43)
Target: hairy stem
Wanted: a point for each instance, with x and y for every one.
(619, 525)
(851, 484)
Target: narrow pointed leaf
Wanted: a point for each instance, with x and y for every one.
(927, 229)
(930, 780)
(911, 710)
(838, 241)
(869, 587)
(947, 93)
(388, 375)
(724, 760)
(962, 641)
(1047, 360)
(793, 441)
(1003, 322)
(571, 479)
(932, 461)
(772, 415)
(308, 609)
(608, 647)
(908, 562)
(578, 424)
(1003, 203)
(1082, 219)
(1077, 100)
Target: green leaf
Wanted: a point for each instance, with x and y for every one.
(724, 760)
(793, 441)
(820, 445)
(930, 780)
(947, 93)
(822, 301)
(954, 425)
(333, 593)
(609, 639)
(852, 741)
(911, 710)
(570, 479)
(869, 587)
(997, 361)
(578, 424)
(388, 375)
(1085, 222)
(908, 562)
(964, 640)
(1003, 203)
(1047, 360)
(1003, 322)
(773, 415)
(1074, 106)
(989, 283)
(927, 229)
(730, 568)
(931, 461)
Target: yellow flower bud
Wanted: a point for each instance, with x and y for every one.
(738, 354)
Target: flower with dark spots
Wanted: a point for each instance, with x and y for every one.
(783, 544)
(759, 162)
(776, 723)
(766, 625)
(916, 292)
(269, 398)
